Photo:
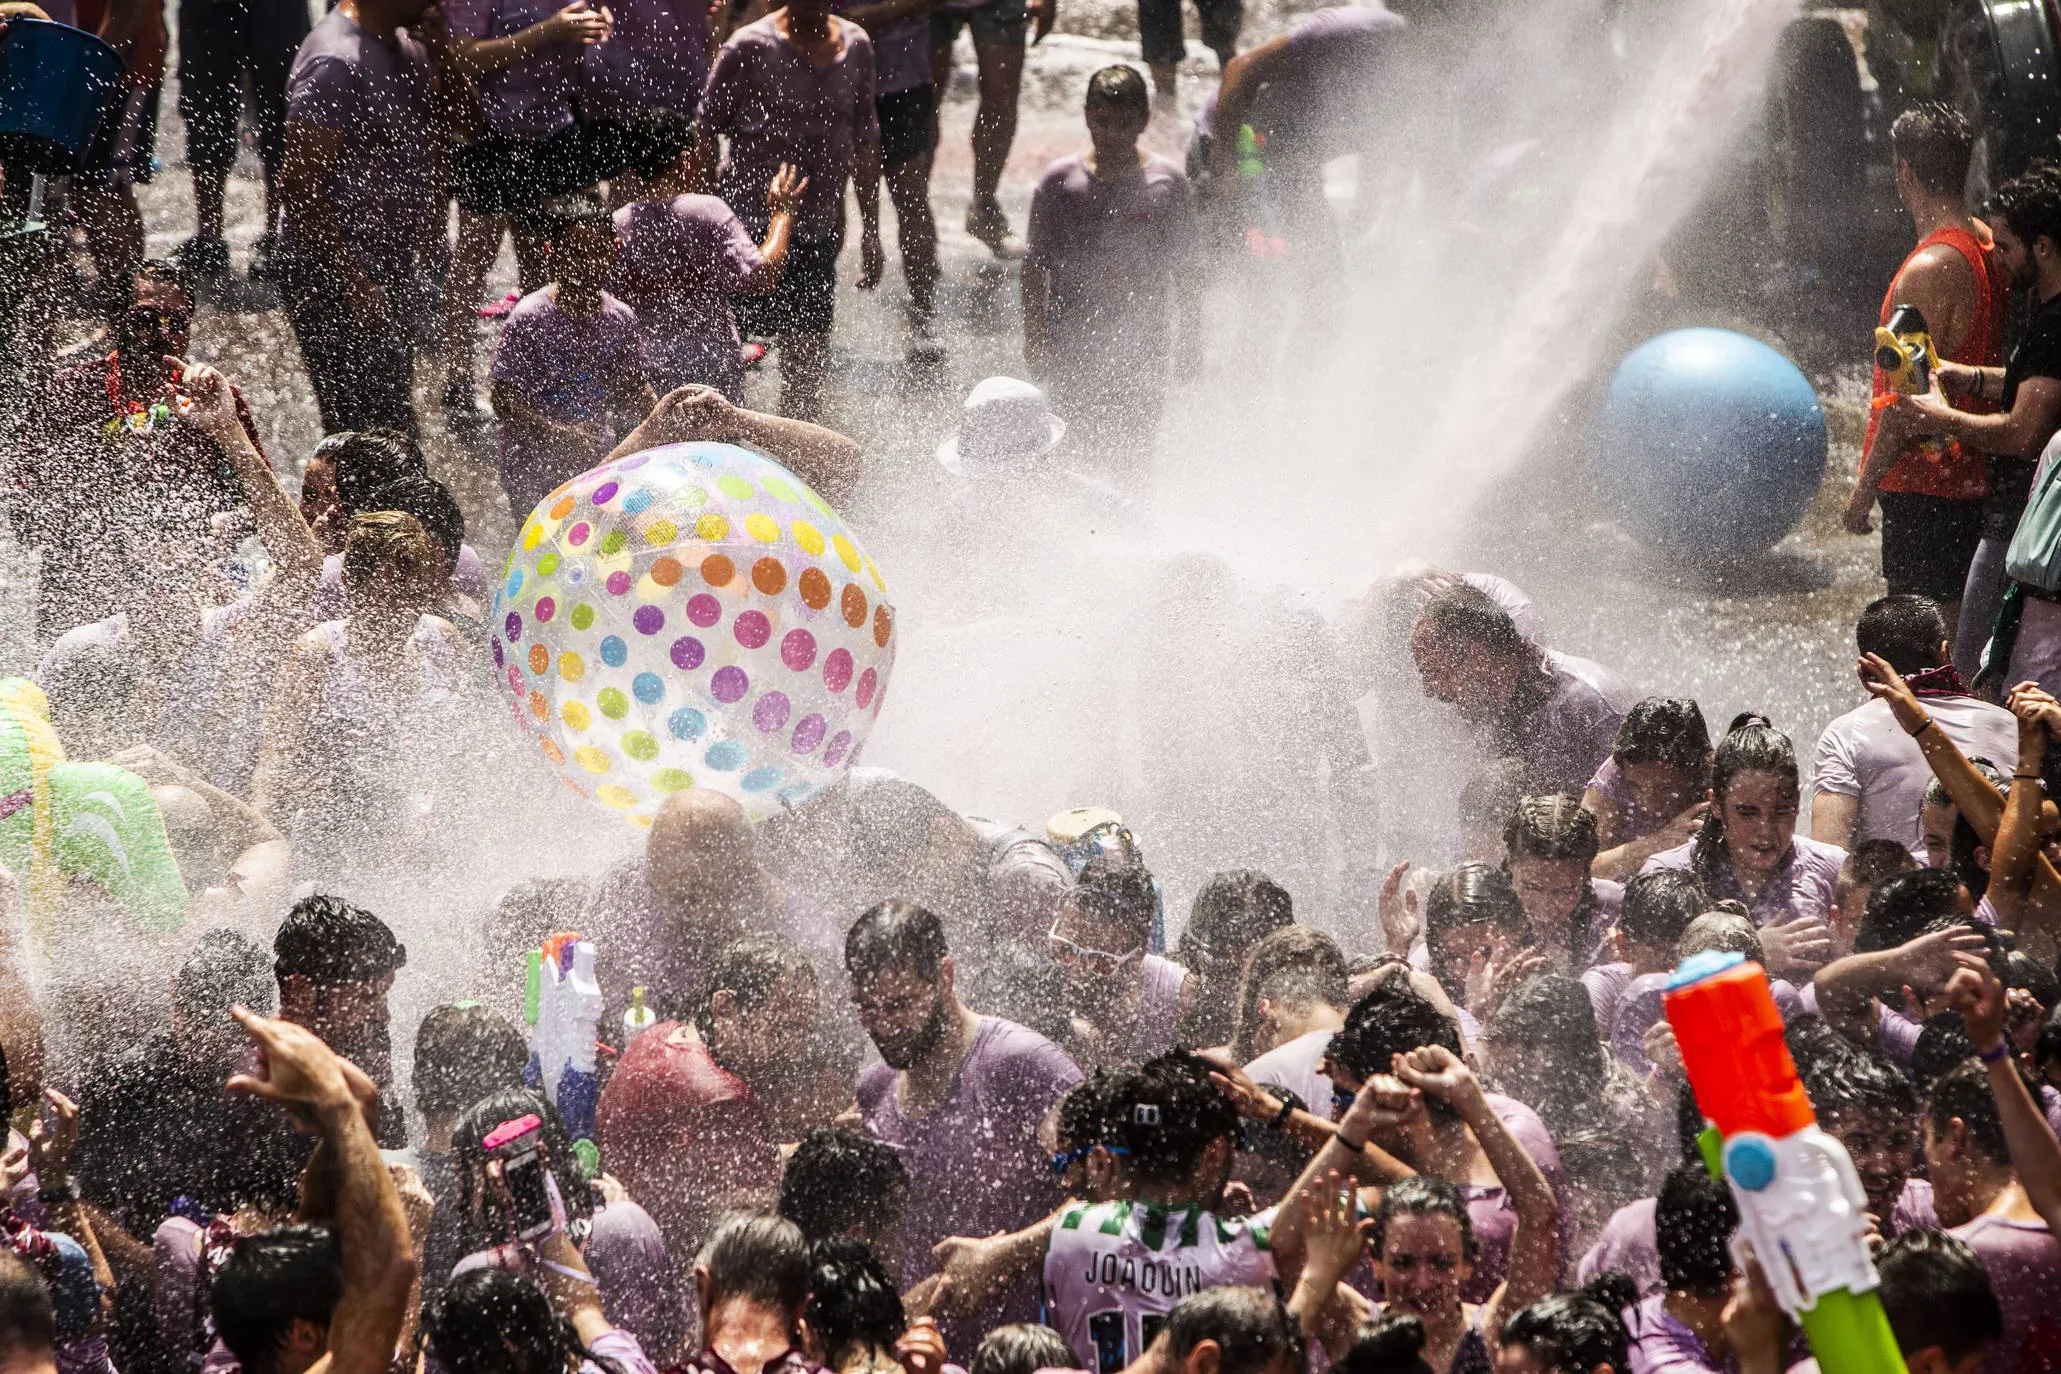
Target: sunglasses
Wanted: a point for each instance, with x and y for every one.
(165, 321)
(1072, 952)
(1066, 1159)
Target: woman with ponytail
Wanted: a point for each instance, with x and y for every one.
(1748, 849)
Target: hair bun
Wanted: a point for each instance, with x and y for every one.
(1746, 718)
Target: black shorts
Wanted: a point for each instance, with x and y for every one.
(805, 301)
(611, 148)
(499, 174)
(219, 42)
(905, 125)
(124, 148)
(1927, 544)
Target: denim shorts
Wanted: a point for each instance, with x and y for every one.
(997, 24)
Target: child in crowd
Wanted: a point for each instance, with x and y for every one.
(682, 256)
(568, 371)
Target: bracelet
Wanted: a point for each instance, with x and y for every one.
(569, 1272)
(1281, 1117)
(2029, 777)
(1929, 723)
(1358, 1149)
(1995, 1054)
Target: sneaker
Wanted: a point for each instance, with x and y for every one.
(499, 309)
(462, 411)
(751, 354)
(924, 349)
(203, 257)
(263, 253)
(988, 223)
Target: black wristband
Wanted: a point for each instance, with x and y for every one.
(1929, 723)
(1358, 1149)
(67, 1191)
(1280, 1118)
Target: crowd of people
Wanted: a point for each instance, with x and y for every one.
(878, 1087)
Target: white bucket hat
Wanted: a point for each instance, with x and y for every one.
(1004, 422)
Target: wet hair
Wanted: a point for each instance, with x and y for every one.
(853, 1306)
(1963, 1091)
(1393, 1343)
(1115, 888)
(1936, 793)
(28, 1318)
(433, 507)
(1232, 912)
(1422, 1195)
(2029, 204)
(1693, 1222)
(1022, 983)
(1296, 965)
(463, 1052)
(1120, 88)
(1490, 793)
(1901, 908)
(1751, 746)
(1722, 932)
(1905, 629)
(1469, 895)
(759, 1258)
(1935, 141)
(1021, 1348)
(1667, 730)
(1167, 1115)
(577, 210)
(1859, 1083)
(225, 969)
(895, 934)
(328, 941)
(1459, 613)
(1938, 1294)
(1385, 1023)
(495, 1321)
(1602, 1166)
(749, 970)
(1251, 1328)
(1943, 1045)
(272, 1280)
(160, 272)
(1553, 1013)
(837, 1182)
(1554, 827)
(1088, 1111)
(1874, 861)
(1812, 1040)
(1658, 906)
(390, 546)
(367, 461)
(1569, 1333)
(469, 1159)
(658, 137)
(2021, 970)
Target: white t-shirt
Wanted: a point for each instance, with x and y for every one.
(1113, 1270)
(1866, 754)
(1293, 1065)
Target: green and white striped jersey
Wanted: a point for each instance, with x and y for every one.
(1113, 1270)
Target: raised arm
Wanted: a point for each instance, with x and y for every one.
(2015, 850)
(825, 459)
(1243, 77)
(1849, 988)
(974, 1271)
(2035, 1153)
(281, 529)
(1350, 1153)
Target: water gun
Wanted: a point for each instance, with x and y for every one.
(563, 1005)
(1801, 1205)
(1252, 147)
(1906, 357)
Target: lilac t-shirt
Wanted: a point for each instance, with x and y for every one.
(2024, 1264)
(378, 95)
(1490, 1209)
(640, 1288)
(774, 107)
(532, 97)
(678, 263)
(901, 52)
(1566, 724)
(1325, 107)
(1807, 884)
(1659, 1343)
(563, 367)
(1110, 249)
(657, 55)
(974, 1163)
(1867, 755)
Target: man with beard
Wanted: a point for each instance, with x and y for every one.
(335, 964)
(958, 1094)
(2025, 219)
(1125, 1002)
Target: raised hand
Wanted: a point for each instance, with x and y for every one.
(1253, 1102)
(1398, 907)
(580, 23)
(294, 1067)
(1885, 682)
(1437, 1072)
(1978, 994)
(784, 193)
(52, 1136)
(1334, 1232)
(1800, 943)
(213, 401)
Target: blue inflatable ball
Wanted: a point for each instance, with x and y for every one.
(1710, 445)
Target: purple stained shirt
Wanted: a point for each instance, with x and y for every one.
(1606, 984)
(1564, 723)
(774, 107)
(657, 55)
(565, 368)
(381, 184)
(1490, 1209)
(1866, 755)
(901, 52)
(1807, 884)
(1659, 1343)
(1159, 1009)
(1110, 250)
(973, 1160)
(1325, 105)
(532, 97)
(640, 1288)
(2024, 1265)
(678, 263)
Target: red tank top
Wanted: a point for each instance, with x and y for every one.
(1951, 473)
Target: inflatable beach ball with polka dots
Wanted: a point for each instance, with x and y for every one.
(693, 616)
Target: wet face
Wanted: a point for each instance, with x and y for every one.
(1473, 680)
(1660, 789)
(1884, 1153)
(1759, 811)
(1101, 962)
(903, 1011)
(1517, 1358)
(1111, 125)
(583, 255)
(1937, 825)
(1454, 950)
(320, 505)
(1422, 1264)
(1549, 889)
(160, 321)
